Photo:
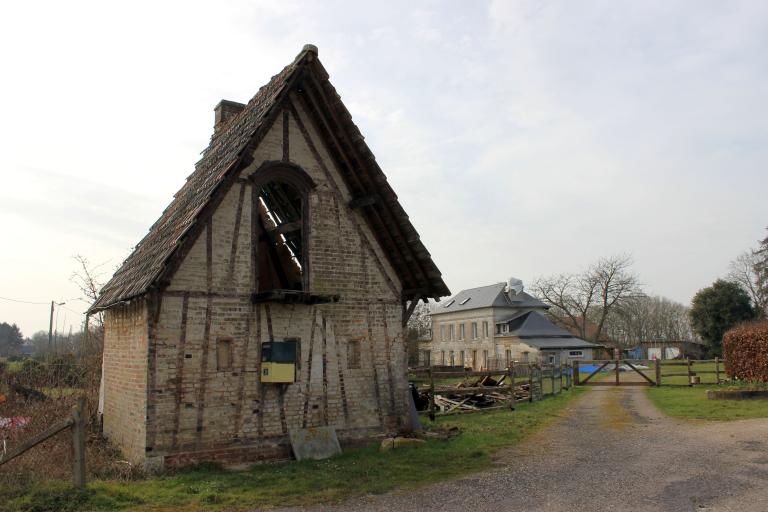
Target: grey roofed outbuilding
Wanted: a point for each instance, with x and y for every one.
(533, 323)
(485, 297)
(559, 343)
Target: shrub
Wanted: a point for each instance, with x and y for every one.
(745, 349)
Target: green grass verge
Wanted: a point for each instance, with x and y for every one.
(692, 403)
(356, 472)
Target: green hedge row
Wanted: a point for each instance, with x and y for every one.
(745, 349)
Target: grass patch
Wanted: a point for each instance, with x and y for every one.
(356, 472)
(692, 403)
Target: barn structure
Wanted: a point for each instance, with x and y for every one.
(272, 292)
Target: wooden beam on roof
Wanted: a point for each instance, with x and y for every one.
(288, 227)
(359, 202)
(344, 146)
(407, 312)
(336, 148)
(368, 160)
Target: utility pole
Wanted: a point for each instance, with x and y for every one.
(50, 325)
(50, 330)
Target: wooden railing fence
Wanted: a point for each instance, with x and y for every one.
(76, 422)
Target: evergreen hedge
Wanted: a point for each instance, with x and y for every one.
(745, 349)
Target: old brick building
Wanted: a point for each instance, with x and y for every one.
(286, 230)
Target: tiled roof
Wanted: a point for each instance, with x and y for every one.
(399, 239)
(485, 297)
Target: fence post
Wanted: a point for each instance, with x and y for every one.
(560, 375)
(717, 369)
(530, 382)
(78, 443)
(431, 394)
(541, 381)
(511, 376)
(575, 369)
(553, 379)
(617, 354)
(690, 382)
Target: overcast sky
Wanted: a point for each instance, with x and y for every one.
(524, 138)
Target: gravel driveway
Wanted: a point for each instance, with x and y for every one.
(611, 451)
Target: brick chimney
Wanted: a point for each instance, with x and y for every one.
(225, 111)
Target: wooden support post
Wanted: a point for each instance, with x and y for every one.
(575, 368)
(431, 394)
(78, 443)
(717, 369)
(530, 382)
(541, 380)
(688, 366)
(511, 377)
(658, 371)
(553, 377)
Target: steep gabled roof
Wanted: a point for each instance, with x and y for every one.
(485, 297)
(151, 262)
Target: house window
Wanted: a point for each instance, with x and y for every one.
(442, 333)
(464, 301)
(474, 330)
(452, 332)
(451, 356)
(427, 358)
(474, 358)
(485, 329)
(461, 331)
(224, 354)
(525, 357)
(485, 359)
(280, 212)
(461, 358)
(353, 354)
(576, 353)
(508, 356)
(502, 328)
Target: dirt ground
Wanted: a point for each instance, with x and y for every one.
(611, 451)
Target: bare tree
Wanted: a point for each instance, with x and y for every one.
(748, 270)
(88, 278)
(583, 302)
(649, 319)
(419, 327)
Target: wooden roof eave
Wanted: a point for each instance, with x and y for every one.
(381, 211)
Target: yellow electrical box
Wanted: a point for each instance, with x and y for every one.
(278, 362)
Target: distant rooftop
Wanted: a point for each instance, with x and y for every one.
(492, 295)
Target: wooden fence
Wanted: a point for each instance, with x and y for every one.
(75, 421)
(694, 369)
(509, 386)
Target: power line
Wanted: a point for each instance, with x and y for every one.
(26, 301)
(72, 310)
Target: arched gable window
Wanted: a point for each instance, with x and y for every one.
(280, 224)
